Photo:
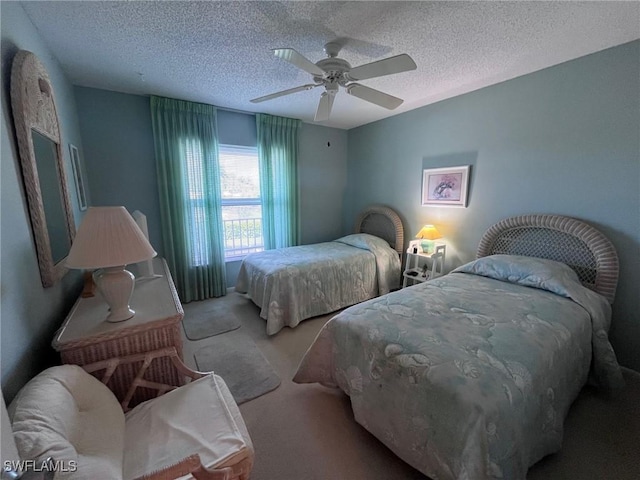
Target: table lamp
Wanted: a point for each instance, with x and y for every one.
(109, 239)
(428, 234)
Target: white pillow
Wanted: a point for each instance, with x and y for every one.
(67, 414)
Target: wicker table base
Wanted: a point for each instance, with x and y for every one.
(85, 337)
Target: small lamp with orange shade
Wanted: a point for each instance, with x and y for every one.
(428, 234)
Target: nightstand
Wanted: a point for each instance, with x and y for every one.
(415, 263)
(86, 337)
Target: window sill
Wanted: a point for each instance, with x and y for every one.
(234, 259)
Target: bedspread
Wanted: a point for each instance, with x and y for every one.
(466, 376)
(295, 283)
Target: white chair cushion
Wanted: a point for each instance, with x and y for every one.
(8, 447)
(67, 414)
(194, 418)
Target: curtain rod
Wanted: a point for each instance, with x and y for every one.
(235, 110)
(232, 110)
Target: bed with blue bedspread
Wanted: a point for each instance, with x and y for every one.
(295, 283)
(471, 375)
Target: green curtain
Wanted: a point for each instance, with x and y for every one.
(278, 157)
(186, 147)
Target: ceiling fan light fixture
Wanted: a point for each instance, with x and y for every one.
(333, 72)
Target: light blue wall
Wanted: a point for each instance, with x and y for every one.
(118, 139)
(30, 314)
(322, 177)
(236, 128)
(119, 153)
(564, 140)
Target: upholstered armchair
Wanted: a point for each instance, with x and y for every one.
(192, 431)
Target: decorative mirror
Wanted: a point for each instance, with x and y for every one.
(39, 144)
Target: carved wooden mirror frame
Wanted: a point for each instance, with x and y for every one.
(34, 109)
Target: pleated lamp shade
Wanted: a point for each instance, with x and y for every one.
(429, 232)
(108, 237)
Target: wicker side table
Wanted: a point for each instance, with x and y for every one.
(85, 337)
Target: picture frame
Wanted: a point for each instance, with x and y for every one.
(76, 166)
(445, 187)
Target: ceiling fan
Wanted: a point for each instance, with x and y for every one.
(333, 72)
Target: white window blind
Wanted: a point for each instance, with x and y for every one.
(200, 237)
(241, 207)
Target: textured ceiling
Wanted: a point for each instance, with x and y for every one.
(220, 52)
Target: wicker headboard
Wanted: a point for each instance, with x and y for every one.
(564, 239)
(382, 222)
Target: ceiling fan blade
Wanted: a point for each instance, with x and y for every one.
(300, 61)
(324, 107)
(271, 96)
(374, 96)
(387, 66)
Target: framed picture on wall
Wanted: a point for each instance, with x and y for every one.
(77, 177)
(445, 186)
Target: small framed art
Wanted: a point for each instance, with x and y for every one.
(445, 186)
(77, 177)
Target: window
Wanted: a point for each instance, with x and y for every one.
(241, 207)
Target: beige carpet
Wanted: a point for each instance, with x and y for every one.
(307, 432)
